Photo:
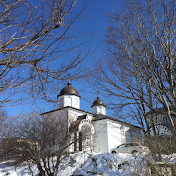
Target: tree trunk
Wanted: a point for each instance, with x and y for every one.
(51, 174)
(42, 172)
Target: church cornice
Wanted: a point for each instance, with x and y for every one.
(68, 95)
(67, 108)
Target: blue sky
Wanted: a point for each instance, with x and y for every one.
(95, 23)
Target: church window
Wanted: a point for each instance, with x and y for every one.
(128, 135)
(68, 101)
(61, 102)
(156, 117)
(75, 142)
(80, 141)
(148, 121)
(75, 102)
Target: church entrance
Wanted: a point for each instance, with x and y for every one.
(85, 139)
(85, 130)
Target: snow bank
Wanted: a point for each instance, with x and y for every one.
(88, 164)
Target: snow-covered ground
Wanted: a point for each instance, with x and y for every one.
(85, 164)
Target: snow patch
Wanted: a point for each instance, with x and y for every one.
(87, 164)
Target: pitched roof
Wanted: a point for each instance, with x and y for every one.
(96, 116)
(102, 117)
(160, 110)
(66, 108)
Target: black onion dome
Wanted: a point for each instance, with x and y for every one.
(98, 102)
(69, 90)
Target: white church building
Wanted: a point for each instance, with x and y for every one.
(92, 131)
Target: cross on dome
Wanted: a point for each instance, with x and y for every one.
(69, 83)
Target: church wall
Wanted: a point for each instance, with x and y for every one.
(94, 110)
(110, 134)
(126, 130)
(114, 135)
(136, 135)
(100, 138)
(117, 134)
(69, 100)
(99, 110)
(120, 133)
(73, 114)
(67, 116)
(61, 114)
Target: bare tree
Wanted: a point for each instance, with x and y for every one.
(36, 46)
(138, 67)
(39, 140)
(3, 120)
(137, 70)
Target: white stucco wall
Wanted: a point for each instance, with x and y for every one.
(100, 109)
(69, 100)
(69, 114)
(100, 138)
(73, 114)
(136, 135)
(61, 114)
(110, 134)
(114, 135)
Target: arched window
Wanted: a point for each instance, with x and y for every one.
(68, 101)
(128, 135)
(75, 141)
(61, 103)
(80, 141)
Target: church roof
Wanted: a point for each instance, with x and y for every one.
(96, 116)
(74, 126)
(161, 110)
(68, 90)
(98, 102)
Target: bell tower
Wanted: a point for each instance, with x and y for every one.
(68, 97)
(98, 107)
